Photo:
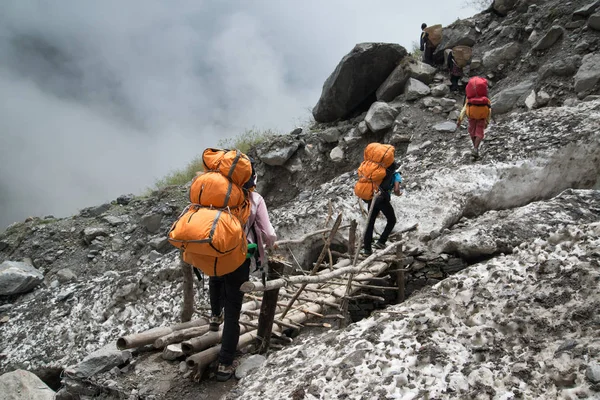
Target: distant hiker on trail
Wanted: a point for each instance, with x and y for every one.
(377, 175)
(478, 108)
(426, 46)
(224, 291)
(456, 72)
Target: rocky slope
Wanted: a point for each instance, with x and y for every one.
(519, 322)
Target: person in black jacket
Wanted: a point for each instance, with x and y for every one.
(426, 46)
(456, 72)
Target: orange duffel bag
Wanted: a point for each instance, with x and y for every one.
(207, 231)
(232, 164)
(212, 189)
(371, 171)
(217, 266)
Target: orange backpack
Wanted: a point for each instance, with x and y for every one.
(371, 171)
(210, 231)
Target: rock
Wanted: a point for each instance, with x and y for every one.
(65, 275)
(461, 35)
(584, 12)
(380, 116)
(446, 126)
(394, 84)
(250, 364)
(575, 24)
(18, 277)
(508, 98)
(95, 211)
(592, 373)
(504, 54)
(440, 90)
(337, 154)
(159, 243)
(533, 37)
(591, 97)
(549, 38)
(91, 233)
(563, 67)
(475, 63)
(430, 102)
(279, 155)
(421, 71)
(502, 7)
(542, 98)
(357, 75)
(415, 89)
(153, 256)
(447, 104)
(21, 384)
(588, 74)
(172, 352)
(582, 47)
(453, 115)
(363, 128)
(330, 135)
(125, 199)
(594, 22)
(296, 131)
(113, 220)
(353, 136)
(3, 245)
(101, 360)
(151, 222)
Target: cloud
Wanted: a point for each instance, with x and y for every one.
(101, 98)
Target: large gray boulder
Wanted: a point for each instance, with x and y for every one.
(585, 11)
(502, 7)
(393, 86)
(500, 55)
(278, 155)
(461, 35)
(594, 22)
(23, 385)
(99, 361)
(415, 89)
(421, 71)
(357, 76)
(563, 67)
(504, 101)
(380, 116)
(588, 74)
(18, 277)
(548, 40)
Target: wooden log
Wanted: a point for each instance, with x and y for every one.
(318, 301)
(268, 306)
(178, 336)
(400, 280)
(149, 336)
(187, 309)
(336, 226)
(306, 237)
(322, 277)
(366, 296)
(352, 237)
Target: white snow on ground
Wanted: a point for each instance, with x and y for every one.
(523, 325)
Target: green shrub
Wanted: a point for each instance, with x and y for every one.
(247, 140)
(416, 52)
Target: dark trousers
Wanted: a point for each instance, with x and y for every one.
(382, 204)
(428, 55)
(225, 295)
(454, 80)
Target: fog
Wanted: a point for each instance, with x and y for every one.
(101, 98)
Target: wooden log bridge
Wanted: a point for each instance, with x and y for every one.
(287, 304)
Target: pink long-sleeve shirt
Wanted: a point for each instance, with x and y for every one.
(259, 218)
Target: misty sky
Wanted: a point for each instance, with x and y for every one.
(101, 98)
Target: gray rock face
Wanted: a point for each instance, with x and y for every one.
(502, 7)
(462, 35)
(415, 89)
(331, 135)
(279, 155)
(588, 74)
(508, 98)
(563, 67)
(358, 75)
(91, 233)
(151, 222)
(548, 40)
(422, 72)
(21, 384)
(337, 154)
(99, 361)
(446, 126)
(583, 12)
(594, 22)
(18, 277)
(500, 55)
(380, 116)
(440, 90)
(592, 373)
(394, 84)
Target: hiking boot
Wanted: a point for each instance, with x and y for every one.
(225, 372)
(214, 323)
(379, 246)
(475, 153)
(366, 252)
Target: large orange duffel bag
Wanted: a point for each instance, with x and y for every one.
(217, 266)
(371, 171)
(207, 231)
(212, 189)
(232, 164)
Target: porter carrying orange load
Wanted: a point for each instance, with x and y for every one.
(372, 170)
